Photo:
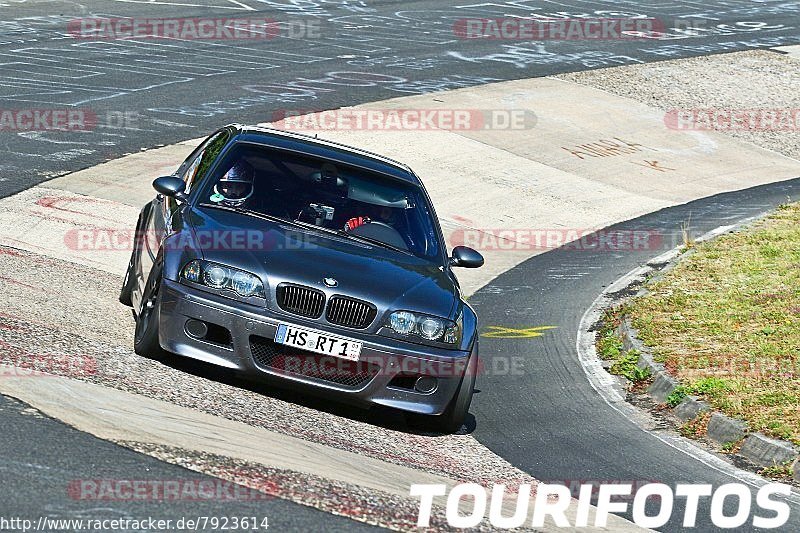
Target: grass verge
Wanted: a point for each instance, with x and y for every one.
(726, 322)
(610, 348)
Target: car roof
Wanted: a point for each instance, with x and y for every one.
(326, 150)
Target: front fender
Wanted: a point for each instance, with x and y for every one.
(470, 333)
(177, 250)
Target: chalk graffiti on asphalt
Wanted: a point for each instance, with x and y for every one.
(41, 63)
(305, 89)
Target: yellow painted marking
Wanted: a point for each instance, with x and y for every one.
(502, 332)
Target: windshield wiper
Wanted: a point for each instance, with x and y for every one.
(307, 226)
(271, 218)
(235, 209)
(372, 241)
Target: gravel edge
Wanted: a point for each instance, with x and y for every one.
(364, 505)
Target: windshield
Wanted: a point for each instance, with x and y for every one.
(335, 197)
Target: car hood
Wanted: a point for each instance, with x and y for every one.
(283, 253)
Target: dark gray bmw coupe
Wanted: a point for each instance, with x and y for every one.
(311, 263)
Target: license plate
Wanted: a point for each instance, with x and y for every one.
(318, 342)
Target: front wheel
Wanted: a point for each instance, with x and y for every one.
(128, 283)
(145, 340)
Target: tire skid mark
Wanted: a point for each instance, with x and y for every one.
(51, 217)
(41, 252)
(46, 222)
(24, 255)
(23, 362)
(54, 202)
(23, 284)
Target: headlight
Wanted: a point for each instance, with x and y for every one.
(192, 271)
(216, 277)
(452, 334)
(246, 284)
(402, 322)
(429, 328)
(223, 278)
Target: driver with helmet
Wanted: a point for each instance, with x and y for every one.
(237, 185)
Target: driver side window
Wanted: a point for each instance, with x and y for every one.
(195, 167)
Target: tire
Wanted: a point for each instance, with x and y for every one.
(128, 283)
(145, 339)
(451, 420)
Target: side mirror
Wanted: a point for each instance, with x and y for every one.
(171, 186)
(466, 257)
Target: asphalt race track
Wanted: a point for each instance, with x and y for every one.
(34, 478)
(548, 420)
(148, 92)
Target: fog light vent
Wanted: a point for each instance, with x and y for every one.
(196, 329)
(426, 384)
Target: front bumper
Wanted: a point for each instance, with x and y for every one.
(385, 361)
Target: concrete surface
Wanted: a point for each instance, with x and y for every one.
(724, 430)
(61, 481)
(120, 416)
(767, 452)
(793, 51)
(662, 386)
(689, 408)
(759, 81)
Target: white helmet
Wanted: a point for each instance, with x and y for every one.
(236, 186)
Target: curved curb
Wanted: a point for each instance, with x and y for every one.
(755, 448)
(723, 430)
